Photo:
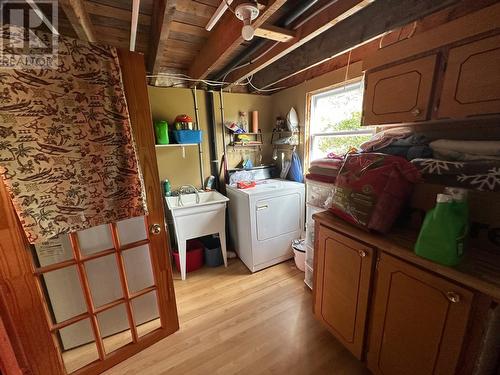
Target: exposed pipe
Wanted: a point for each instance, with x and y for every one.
(222, 119)
(212, 136)
(285, 21)
(200, 148)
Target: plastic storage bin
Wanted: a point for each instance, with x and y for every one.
(187, 136)
(212, 251)
(308, 279)
(310, 211)
(194, 256)
(318, 193)
(310, 234)
(309, 255)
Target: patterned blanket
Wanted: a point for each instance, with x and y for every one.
(67, 155)
(483, 175)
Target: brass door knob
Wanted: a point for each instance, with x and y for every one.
(453, 297)
(155, 229)
(416, 112)
(362, 253)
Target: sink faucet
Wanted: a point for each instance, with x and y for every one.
(186, 189)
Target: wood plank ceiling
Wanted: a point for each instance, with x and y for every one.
(172, 35)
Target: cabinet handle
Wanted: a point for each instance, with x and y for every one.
(416, 112)
(263, 207)
(362, 253)
(453, 297)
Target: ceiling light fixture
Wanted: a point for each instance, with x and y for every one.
(247, 12)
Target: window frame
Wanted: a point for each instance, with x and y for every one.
(314, 96)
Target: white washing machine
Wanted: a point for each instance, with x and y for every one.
(264, 220)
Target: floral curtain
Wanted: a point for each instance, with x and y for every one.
(67, 154)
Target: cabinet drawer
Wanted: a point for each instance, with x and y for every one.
(342, 286)
(472, 80)
(419, 321)
(401, 93)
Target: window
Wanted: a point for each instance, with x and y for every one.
(335, 124)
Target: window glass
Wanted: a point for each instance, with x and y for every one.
(335, 124)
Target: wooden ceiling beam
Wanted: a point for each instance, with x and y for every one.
(79, 18)
(362, 27)
(163, 16)
(341, 61)
(311, 28)
(225, 39)
(392, 40)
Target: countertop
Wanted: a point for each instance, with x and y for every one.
(479, 270)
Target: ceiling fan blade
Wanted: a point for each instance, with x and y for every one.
(218, 14)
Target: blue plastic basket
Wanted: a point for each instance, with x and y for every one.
(187, 136)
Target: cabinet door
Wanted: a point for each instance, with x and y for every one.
(343, 271)
(419, 321)
(472, 80)
(401, 93)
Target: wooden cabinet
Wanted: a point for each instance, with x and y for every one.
(418, 322)
(401, 93)
(472, 80)
(343, 269)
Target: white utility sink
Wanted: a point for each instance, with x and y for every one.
(195, 217)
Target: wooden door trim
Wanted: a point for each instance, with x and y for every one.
(22, 298)
(133, 72)
(20, 290)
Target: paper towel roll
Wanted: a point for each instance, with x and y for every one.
(255, 121)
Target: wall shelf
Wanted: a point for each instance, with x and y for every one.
(175, 145)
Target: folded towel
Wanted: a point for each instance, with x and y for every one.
(385, 138)
(324, 171)
(489, 148)
(327, 163)
(320, 178)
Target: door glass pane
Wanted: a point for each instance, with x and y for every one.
(64, 293)
(132, 230)
(138, 268)
(115, 328)
(104, 280)
(145, 309)
(53, 251)
(79, 347)
(95, 239)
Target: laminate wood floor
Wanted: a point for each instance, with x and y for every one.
(235, 322)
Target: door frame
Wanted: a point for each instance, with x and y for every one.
(25, 315)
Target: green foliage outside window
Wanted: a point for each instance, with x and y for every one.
(340, 144)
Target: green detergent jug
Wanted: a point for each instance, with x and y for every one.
(445, 228)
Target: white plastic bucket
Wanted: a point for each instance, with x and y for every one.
(299, 254)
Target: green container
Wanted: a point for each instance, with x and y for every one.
(161, 132)
(444, 231)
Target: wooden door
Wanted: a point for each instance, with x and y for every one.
(400, 93)
(472, 80)
(419, 321)
(38, 327)
(343, 269)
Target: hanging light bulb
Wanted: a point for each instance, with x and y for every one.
(247, 12)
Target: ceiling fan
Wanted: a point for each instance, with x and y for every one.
(246, 12)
